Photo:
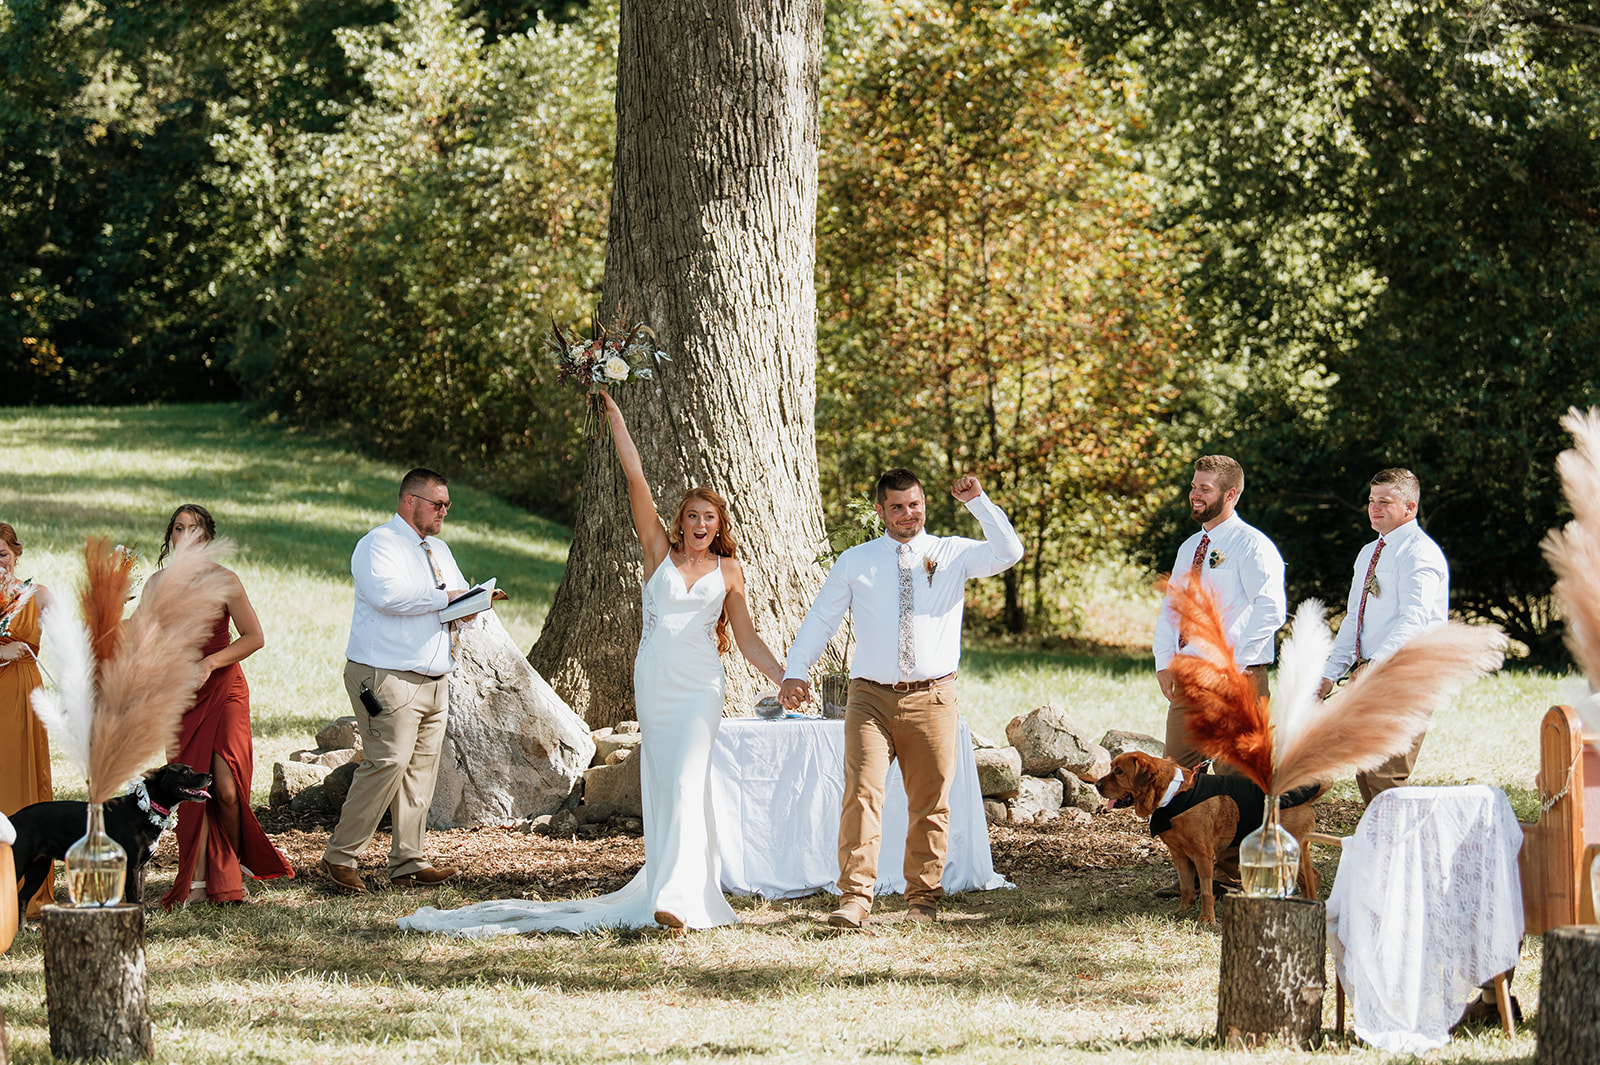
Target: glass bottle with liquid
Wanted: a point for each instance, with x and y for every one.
(97, 866)
(1269, 858)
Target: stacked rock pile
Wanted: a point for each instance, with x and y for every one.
(1049, 767)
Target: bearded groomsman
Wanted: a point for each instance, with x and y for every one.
(1245, 572)
(1399, 588)
(905, 591)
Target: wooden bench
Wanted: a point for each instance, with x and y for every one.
(1559, 848)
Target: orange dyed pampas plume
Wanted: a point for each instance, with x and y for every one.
(1296, 738)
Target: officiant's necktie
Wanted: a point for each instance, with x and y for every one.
(1194, 570)
(908, 633)
(438, 582)
(1367, 585)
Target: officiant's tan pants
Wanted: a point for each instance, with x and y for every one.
(919, 730)
(399, 767)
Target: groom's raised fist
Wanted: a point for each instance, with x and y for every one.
(966, 489)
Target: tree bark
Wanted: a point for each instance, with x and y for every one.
(1272, 975)
(711, 243)
(1569, 1011)
(94, 982)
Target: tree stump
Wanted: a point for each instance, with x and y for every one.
(94, 982)
(1569, 1010)
(1272, 979)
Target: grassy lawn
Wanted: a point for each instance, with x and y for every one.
(294, 505)
(1078, 964)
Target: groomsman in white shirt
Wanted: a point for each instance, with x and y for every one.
(1399, 588)
(905, 591)
(1243, 568)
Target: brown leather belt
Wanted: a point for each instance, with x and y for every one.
(901, 687)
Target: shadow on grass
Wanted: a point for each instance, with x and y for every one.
(291, 500)
(987, 660)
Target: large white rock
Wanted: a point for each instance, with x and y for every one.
(513, 749)
(999, 771)
(1038, 801)
(1118, 741)
(290, 779)
(1049, 741)
(612, 791)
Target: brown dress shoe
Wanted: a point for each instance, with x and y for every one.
(668, 919)
(426, 877)
(852, 915)
(344, 877)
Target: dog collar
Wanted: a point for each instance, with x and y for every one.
(159, 815)
(1172, 789)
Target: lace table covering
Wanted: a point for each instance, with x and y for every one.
(1426, 906)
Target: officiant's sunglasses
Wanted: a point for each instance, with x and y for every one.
(438, 507)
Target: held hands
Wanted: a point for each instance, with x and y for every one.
(966, 489)
(794, 693)
(10, 651)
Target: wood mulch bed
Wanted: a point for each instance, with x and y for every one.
(509, 862)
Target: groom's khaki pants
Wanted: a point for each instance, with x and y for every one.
(399, 766)
(919, 730)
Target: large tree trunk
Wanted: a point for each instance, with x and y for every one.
(711, 243)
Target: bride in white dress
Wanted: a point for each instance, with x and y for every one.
(693, 597)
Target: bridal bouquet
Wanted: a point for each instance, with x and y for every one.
(613, 355)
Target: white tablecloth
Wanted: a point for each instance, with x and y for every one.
(1426, 906)
(777, 788)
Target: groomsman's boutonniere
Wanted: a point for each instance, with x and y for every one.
(1372, 586)
(1217, 558)
(930, 565)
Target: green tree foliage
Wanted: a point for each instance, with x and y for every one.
(1398, 206)
(990, 297)
(112, 237)
(443, 221)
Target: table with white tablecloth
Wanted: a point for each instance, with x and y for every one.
(777, 788)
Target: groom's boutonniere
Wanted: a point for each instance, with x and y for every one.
(1217, 558)
(930, 565)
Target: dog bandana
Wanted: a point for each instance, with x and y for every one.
(162, 818)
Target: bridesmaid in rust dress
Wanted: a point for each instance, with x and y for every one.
(220, 842)
(24, 750)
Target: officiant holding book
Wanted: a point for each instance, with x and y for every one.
(401, 652)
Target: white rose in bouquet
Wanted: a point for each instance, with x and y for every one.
(616, 368)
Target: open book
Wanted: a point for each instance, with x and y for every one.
(474, 601)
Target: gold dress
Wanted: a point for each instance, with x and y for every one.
(24, 748)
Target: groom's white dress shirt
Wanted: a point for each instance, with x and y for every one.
(1411, 596)
(1245, 571)
(866, 582)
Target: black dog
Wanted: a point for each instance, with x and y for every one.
(46, 829)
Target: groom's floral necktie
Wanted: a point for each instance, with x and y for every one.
(908, 641)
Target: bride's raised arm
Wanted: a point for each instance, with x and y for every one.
(646, 522)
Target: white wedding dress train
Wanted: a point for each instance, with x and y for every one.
(678, 686)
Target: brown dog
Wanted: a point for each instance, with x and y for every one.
(1210, 820)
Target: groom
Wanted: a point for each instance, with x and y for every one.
(905, 591)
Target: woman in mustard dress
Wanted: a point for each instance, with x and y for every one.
(24, 749)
